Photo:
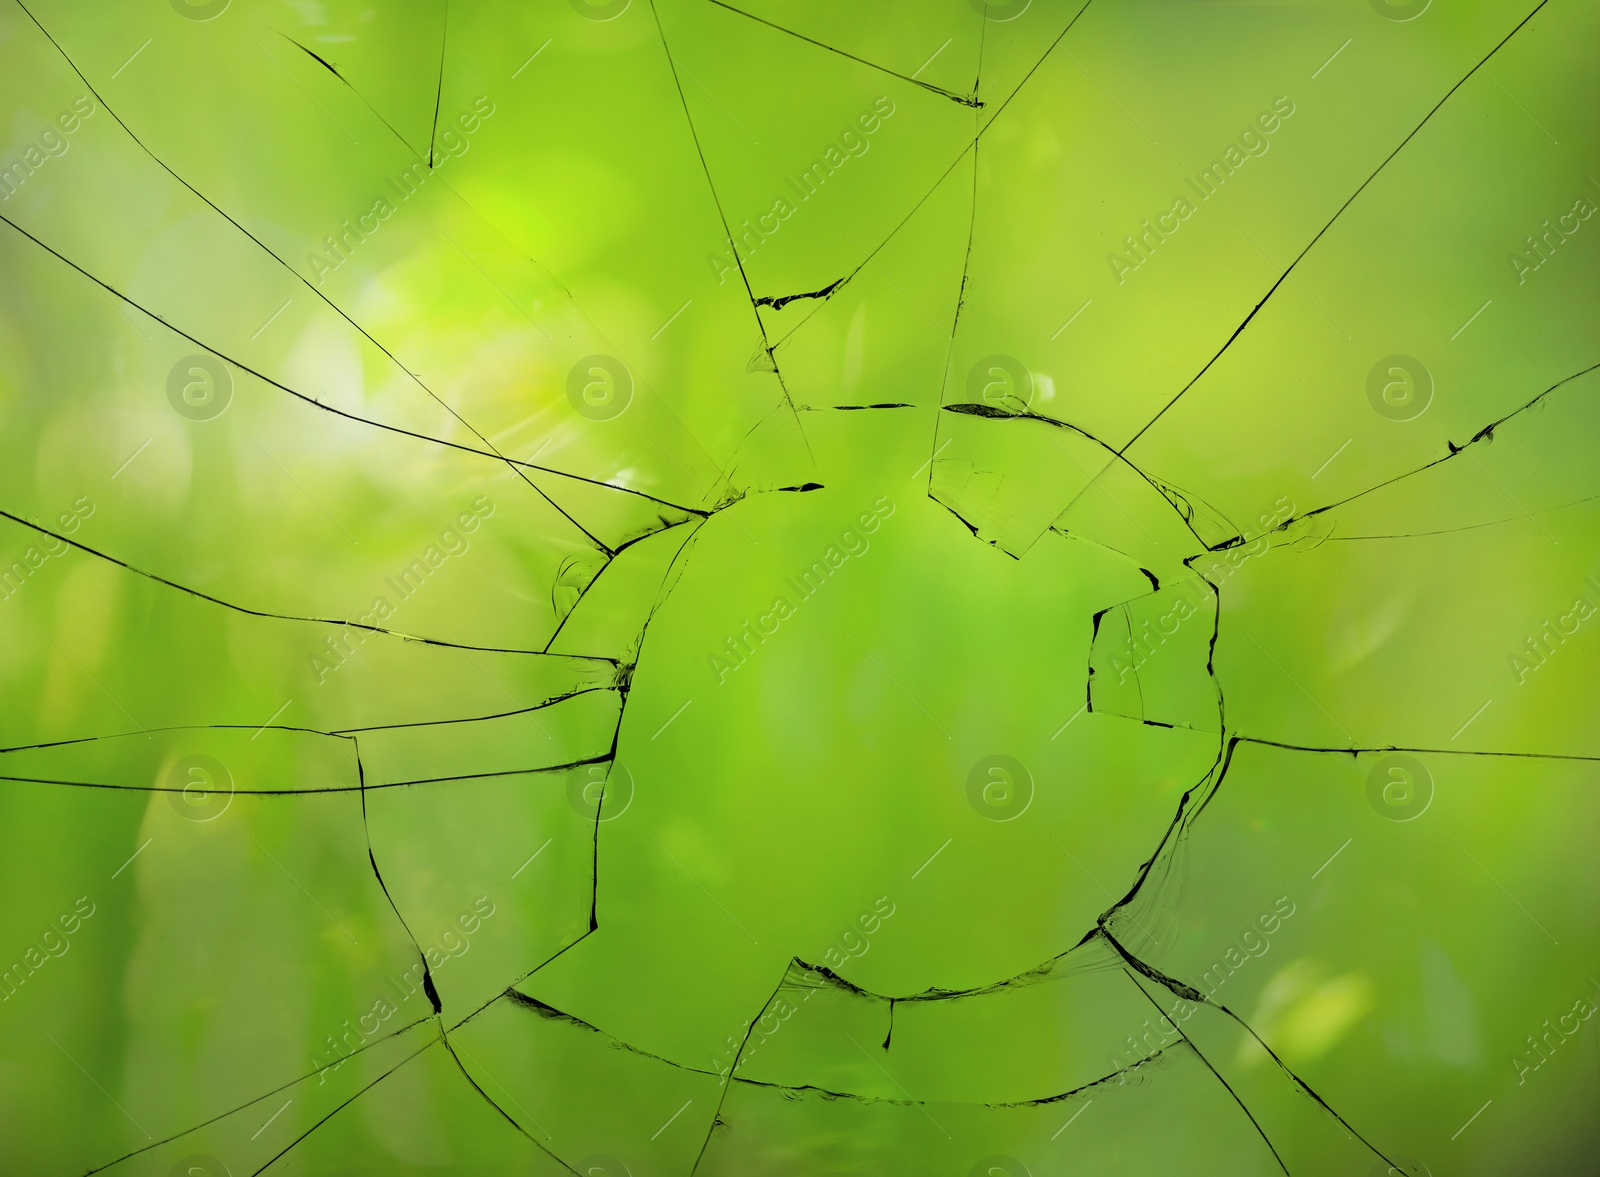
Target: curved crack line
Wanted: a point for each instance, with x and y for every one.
(552, 958)
(1037, 974)
(599, 813)
(1208, 784)
(512, 246)
(1211, 648)
(467, 1075)
(175, 727)
(927, 996)
(730, 494)
(990, 413)
(428, 986)
(1030, 976)
(301, 278)
(1467, 526)
(1236, 737)
(1377, 748)
(623, 686)
(1228, 1087)
(961, 293)
(1189, 507)
(1206, 787)
(600, 758)
(312, 731)
(395, 1033)
(338, 412)
(727, 1082)
(249, 612)
(934, 187)
(1181, 826)
(955, 319)
(332, 69)
(438, 94)
(964, 99)
(340, 1107)
(727, 230)
(1320, 232)
(820, 970)
(1484, 434)
(1179, 989)
(549, 702)
(552, 1014)
(609, 564)
(370, 856)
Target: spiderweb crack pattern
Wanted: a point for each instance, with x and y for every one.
(618, 772)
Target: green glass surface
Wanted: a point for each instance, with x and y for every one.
(791, 587)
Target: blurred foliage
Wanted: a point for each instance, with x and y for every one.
(656, 586)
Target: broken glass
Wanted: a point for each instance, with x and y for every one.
(689, 587)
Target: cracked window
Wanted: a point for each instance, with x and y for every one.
(632, 587)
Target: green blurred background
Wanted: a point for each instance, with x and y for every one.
(493, 683)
